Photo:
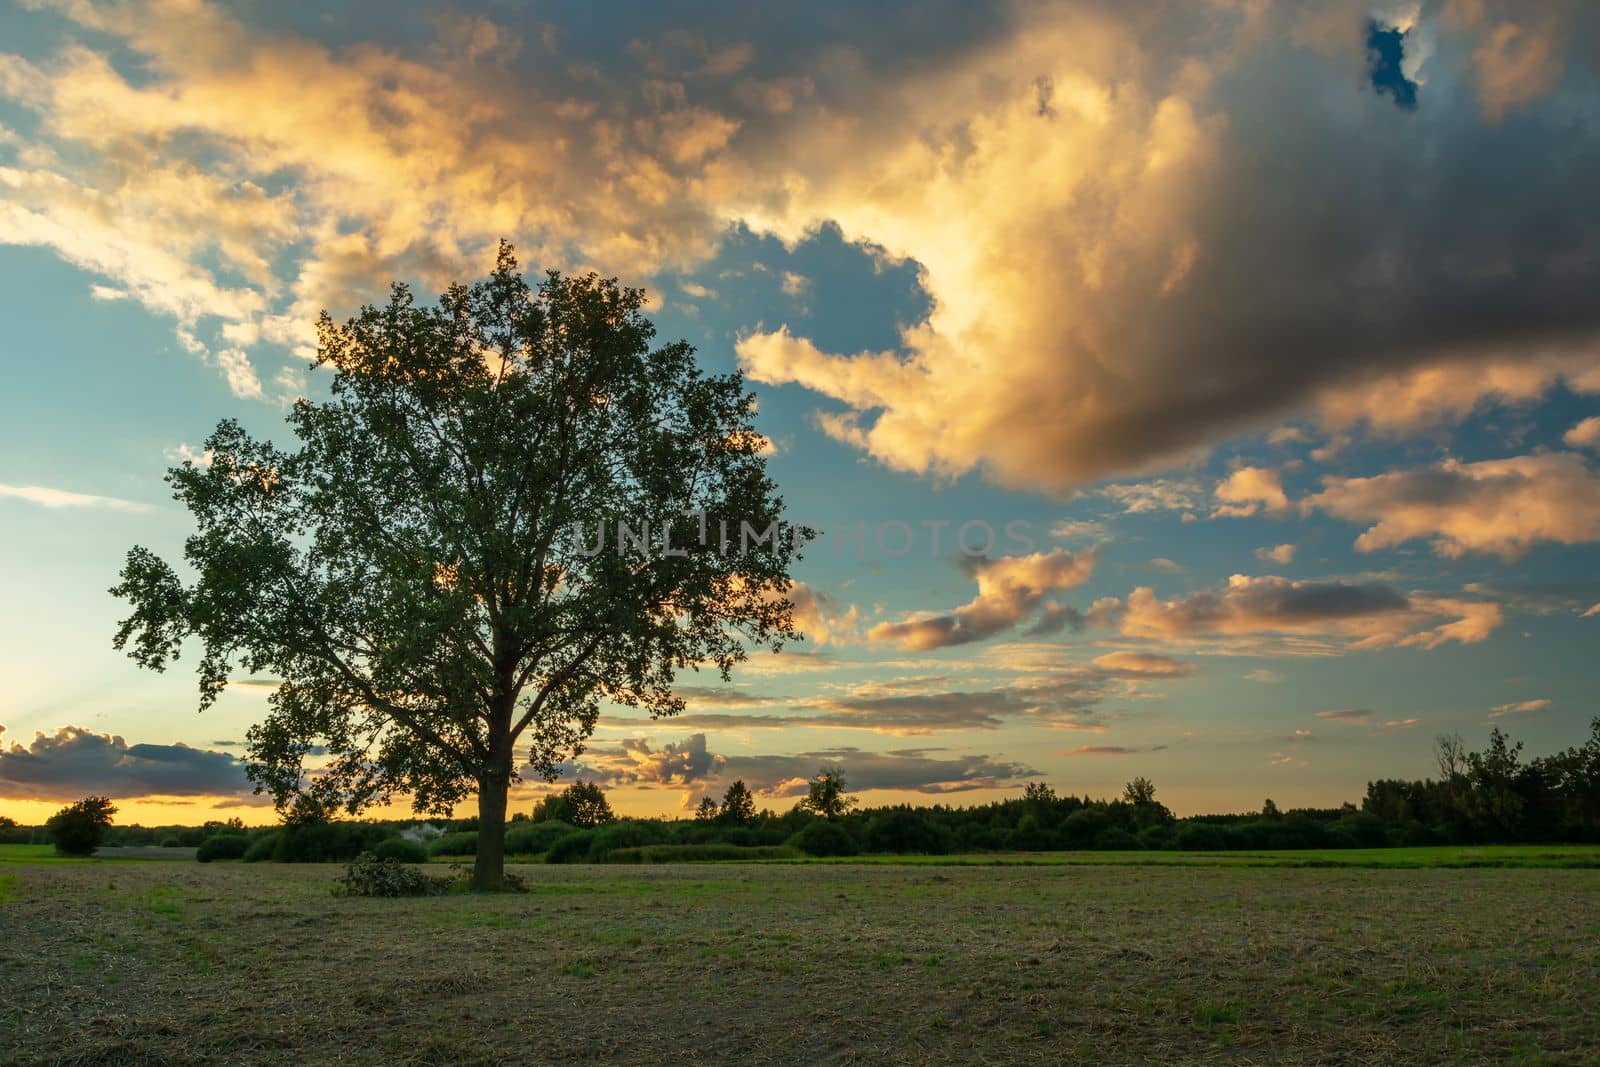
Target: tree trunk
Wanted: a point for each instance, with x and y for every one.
(489, 867)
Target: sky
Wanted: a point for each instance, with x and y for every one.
(1202, 391)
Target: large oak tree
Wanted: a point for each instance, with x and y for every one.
(423, 572)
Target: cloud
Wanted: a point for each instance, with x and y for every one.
(690, 763)
(1088, 530)
(1151, 191)
(1250, 490)
(1313, 617)
(820, 616)
(62, 498)
(1282, 554)
(1139, 204)
(1010, 589)
(1142, 665)
(1591, 613)
(1398, 724)
(1109, 750)
(1497, 507)
(1521, 707)
(1585, 434)
(1264, 676)
(1362, 715)
(75, 762)
(1158, 494)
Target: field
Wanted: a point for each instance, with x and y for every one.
(139, 961)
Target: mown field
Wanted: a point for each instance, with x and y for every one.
(140, 961)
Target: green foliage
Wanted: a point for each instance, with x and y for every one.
(823, 838)
(262, 847)
(416, 569)
(78, 829)
(460, 843)
(223, 847)
(738, 805)
(825, 796)
(707, 811)
(369, 876)
(585, 804)
(715, 852)
(631, 833)
(533, 839)
(903, 830)
(572, 848)
(1116, 839)
(400, 849)
(325, 842)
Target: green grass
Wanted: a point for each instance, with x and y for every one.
(17, 854)
(1445, 856)
(1048, 963)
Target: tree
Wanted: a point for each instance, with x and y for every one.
(78, 829)
(738, 805)
(1140, 791)
(586, 805)
(7, 822)
(1449, 752)
(421, 571)
(825, 796)
(1496, 805)
(707, 811)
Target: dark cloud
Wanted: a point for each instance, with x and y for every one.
(75, 762)
(690, 763)
(1010, 589)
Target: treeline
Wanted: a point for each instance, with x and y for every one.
(1492, 796)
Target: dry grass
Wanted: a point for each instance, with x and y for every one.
(184, 963)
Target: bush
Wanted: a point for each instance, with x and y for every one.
(823, 838)
(1200, 837)
(172, 842)
(326, 842)
(630, 834)
(401, 850)
(704, 853)
(530, 840)
(262, 847)
(223, 847)
(573, 848)
(369, 876)
(1116, 839)
(460, 843)
(78, 829)
(903, 830)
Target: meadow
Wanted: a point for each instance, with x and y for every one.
(1205, 960)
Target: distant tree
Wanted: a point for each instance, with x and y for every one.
(738, 805)
(1269, 810)
(1449, 754)
(418, 573)
(825, 796)
(1038, 794)
(707, 811)
(1494, 772)
(78, 829)
(586, 805)
(7, 822)
(1139, 791)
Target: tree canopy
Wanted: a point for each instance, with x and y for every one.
(78, 829)
(420, 574)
